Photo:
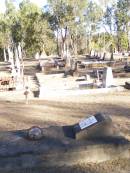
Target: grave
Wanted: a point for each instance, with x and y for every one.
(57, 146)
(96, 126)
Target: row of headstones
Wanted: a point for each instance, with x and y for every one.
(101, 55)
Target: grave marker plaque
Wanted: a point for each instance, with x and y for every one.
(87, 122)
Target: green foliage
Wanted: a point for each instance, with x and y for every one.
(27, 25)
(124, 41)
(4, 32)
(122, 20)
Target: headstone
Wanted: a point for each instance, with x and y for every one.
(92, 53)
(88, 78)
(108, 56)
(37, 56)
(102, 55)
(107, 77)
(43, 55)
(99, 55)
(94, 127)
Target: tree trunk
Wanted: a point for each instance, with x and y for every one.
(5, 57)
(58, 43)
(63, 44)
(9, 54)
(17, 62)
(19, 51)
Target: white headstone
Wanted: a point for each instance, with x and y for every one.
(88, 77)
(107, 77)
(37, 56)
(108, 56)
(101, 54)
(92, 53)
(43, 55)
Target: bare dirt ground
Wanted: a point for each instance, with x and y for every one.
(15, 115)
(116, 166)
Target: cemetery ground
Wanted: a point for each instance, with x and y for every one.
(16, 115)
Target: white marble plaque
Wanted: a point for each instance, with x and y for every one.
(87, 122)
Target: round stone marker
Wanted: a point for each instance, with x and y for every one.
(35, 133)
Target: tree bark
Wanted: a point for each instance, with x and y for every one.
(5, 57)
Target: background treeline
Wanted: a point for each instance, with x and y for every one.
(65, 25)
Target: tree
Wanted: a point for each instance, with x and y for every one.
(93, 17)
(122, 22)
(64, 15)
(6, 22)
(36, 32)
